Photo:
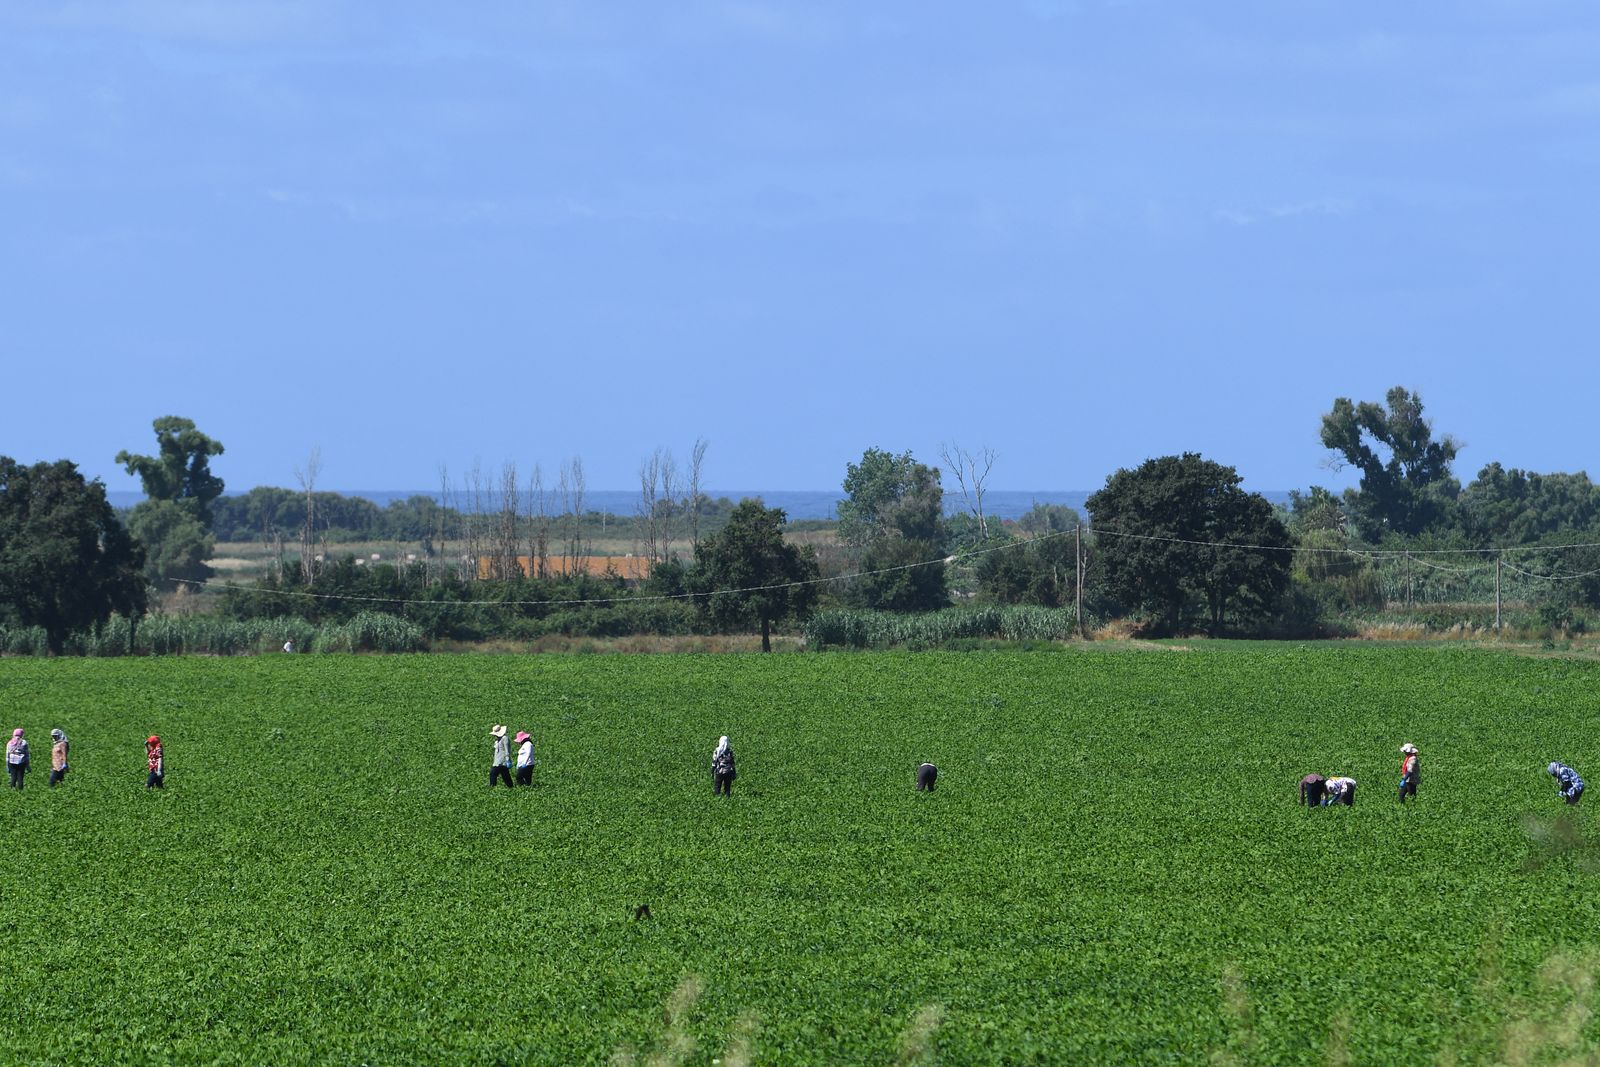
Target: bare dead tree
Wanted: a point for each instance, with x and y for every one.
(644, 512)
(667, 506)
(972, 475)
(473, 519)
(507, 531)
(697, 460)
(538, 525)
(275, 539)
(572, 487)
(306, 475)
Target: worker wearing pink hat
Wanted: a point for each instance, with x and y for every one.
(525, 761)
(17, 761)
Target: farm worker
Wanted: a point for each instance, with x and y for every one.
(501, 767)
(1311, 787)
(524, 758)
(17, 757)
(288, 646)
(155, 759)
(1567, 781)
(1339, 790)
(1408, 771)
(58, 756)
(723, 772)
(927, 774)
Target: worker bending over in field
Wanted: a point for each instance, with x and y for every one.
(156, 760)
(927, 775)
(17, 761)
(501, 765)
(1339, 790)
(1408, 772)
(58, 756)
(723, 771)
(1567, 781)
(524, 759)
(1311, 787)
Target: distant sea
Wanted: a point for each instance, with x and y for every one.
(796, 503)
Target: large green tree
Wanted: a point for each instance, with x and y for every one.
(174, 524)
(1179, 540)
(894, 516)
(66, 563)
(750, 575)
(181, 468)
(1406, 485)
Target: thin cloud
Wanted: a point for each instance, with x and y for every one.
(1332, 206)
(216, 22)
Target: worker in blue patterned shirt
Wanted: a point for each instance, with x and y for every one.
(1567, 781)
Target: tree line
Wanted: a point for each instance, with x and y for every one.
(1173, 545)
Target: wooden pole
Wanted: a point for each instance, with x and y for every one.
(1497, 593)
(1077, 543)
(1408, 580)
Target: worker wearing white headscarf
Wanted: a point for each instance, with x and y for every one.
(723, 771)
(1339, 789)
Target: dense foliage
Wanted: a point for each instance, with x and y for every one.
(893, 514)
(1406, 484)
(173, 523)
(750, 576)
(1113, 868)
(66, 563)
(1181, 541)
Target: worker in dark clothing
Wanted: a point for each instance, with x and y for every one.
(927, 774)
(1311, 790)
(723, 770)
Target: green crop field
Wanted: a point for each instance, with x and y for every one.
(1113, 868)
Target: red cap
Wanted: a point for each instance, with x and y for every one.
(153, 740)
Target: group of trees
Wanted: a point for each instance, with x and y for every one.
(1176, 542)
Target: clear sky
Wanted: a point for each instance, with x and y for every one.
(1081, 232)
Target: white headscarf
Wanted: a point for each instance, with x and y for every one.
(722, 746)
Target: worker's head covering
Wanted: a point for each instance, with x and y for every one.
(18, 733)
(1554, 768)
(152, 740)
(1408, 748)
(722, 746)
(498, 730)
(57, 735)
(522, 735)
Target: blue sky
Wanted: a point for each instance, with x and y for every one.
(1080, 233)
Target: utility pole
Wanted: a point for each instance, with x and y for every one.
(1408, 579)
(1497, 593)
(1077, 551)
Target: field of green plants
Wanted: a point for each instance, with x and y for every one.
(1113, 868)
